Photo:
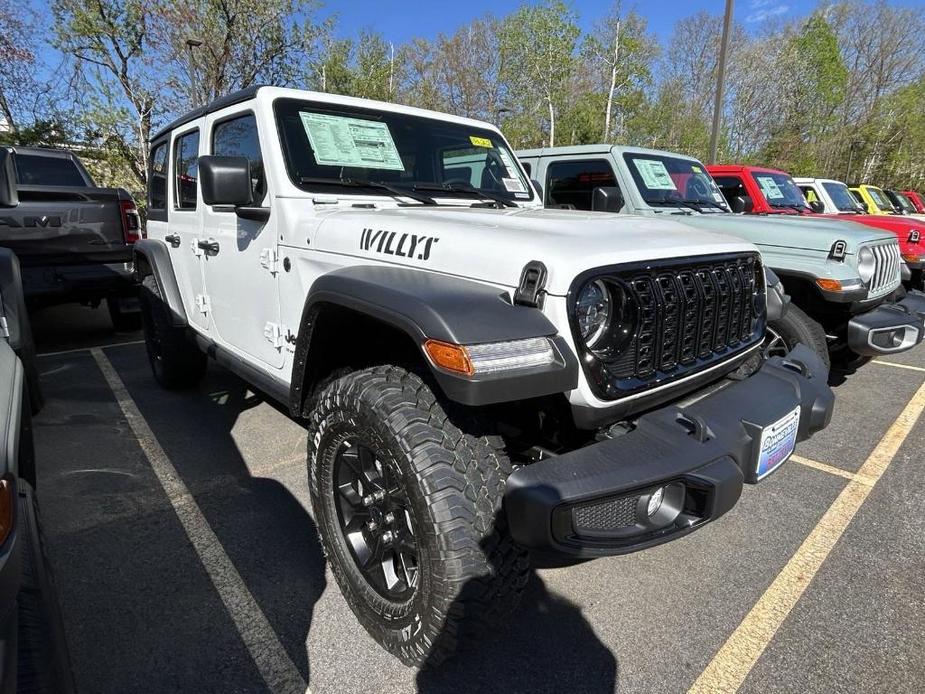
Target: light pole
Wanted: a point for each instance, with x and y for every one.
(192, 43)
(720, 77)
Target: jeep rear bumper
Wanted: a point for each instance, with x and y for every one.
(888, 329)
(594, 501)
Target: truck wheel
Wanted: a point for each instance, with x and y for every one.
(409, 512)
(784, 334)
(175, 360)
(123, 320)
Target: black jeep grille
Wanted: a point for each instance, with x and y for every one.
(690, 315)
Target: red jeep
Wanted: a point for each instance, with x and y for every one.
(916, 200)
(760, 190)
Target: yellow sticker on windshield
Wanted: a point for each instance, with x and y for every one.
(696, 169)
(480, 141)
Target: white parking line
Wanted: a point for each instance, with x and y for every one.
(736, 658)
(86, 349)
(271, 659)
(899, 366)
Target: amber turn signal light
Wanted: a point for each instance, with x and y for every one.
(6, 509)
(449, 357)
(829, 285)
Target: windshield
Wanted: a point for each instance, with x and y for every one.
(842, 198)
(904, 203)
(880, 199)
(331, 147)
(674, 181)
(779, 190)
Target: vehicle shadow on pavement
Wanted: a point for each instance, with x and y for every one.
(547, 646)
(267, 533)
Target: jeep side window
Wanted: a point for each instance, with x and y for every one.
(157, 189)
(572, 183)
(186, 170)
(731, 187)
(237, 137)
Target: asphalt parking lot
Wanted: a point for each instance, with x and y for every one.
(181, 537)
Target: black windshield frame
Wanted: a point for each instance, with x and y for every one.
(422, 142)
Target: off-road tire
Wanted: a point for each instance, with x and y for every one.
(796, 327)
(471, 575)
(175, 361)
(122, 321)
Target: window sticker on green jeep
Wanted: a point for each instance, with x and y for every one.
(654, 174)
(769, 187)
(343, 141)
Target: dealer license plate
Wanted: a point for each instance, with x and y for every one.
(777, 443)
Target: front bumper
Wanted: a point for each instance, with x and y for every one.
(702, 451)
(889, 328)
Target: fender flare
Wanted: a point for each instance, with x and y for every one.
(157, 256)
(14, 310)
(425, 305)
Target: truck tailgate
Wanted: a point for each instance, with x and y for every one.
(64, 225)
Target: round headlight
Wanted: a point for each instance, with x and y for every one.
(593, 311)
(867, 264)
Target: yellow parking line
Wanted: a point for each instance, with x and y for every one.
(899, 366)
(261, 641)
(824, 467)
(736, 658)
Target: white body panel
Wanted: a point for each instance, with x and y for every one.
(320, 233)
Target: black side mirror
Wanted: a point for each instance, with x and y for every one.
(817, 206)
(225, 181)
(742, 204)
(607, 199)
(9, 196)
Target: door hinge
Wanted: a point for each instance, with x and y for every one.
(279, 336)
(4, 327)
(197, 250)
(269, 259)
(203, 303)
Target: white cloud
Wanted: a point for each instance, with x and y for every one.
(764, 9)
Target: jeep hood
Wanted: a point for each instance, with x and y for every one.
(807, 233)
(493, 245)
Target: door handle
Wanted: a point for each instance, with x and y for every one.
(210, 246)
(173, 240)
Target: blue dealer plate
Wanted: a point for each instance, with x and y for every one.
(777, 443)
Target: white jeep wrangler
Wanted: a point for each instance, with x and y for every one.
(480, 378)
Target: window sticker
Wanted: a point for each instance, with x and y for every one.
(654, 174)
(769, 187)
(513, 185)
(480, 141)
(719, 198)
(343, 141)
(508, 164)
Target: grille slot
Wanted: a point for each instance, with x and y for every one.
(887, 273)
(690, 314)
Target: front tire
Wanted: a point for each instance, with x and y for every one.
(175, 361)
(796, 327)
(383, 457)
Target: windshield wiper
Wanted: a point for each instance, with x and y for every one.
(709, 203)
(466, 188)
(784, 206)
(375, 185)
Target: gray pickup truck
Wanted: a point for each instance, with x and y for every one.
(73, 240)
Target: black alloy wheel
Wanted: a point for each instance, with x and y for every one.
(374, 517)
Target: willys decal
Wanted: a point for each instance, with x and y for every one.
(395, 243)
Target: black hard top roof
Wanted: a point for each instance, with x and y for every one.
(220, 103)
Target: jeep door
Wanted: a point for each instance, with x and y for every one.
(242, 266)
(184, 218)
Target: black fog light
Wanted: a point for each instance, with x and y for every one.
(660, 507)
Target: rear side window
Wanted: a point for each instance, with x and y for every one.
(572, 183)
(157, 185)
(238, 138)
(36, 170)
(186, 170)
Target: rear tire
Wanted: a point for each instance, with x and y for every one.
(796, 327)
(442, 488)
(122, 320)
(175, 361)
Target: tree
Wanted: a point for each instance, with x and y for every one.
(540, 42)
